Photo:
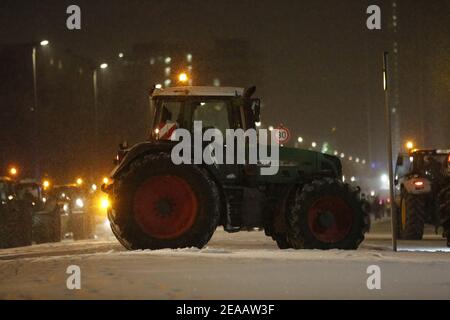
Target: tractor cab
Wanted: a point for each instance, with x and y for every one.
(429, 164)
(217, 108)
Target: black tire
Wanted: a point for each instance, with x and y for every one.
(129, 213)
(24, 227)
(413, 227)
(7, 226)
(82, 227)
(282, 241)
(47, 227)
(327, 214)
(278, 201)
(444, 211)
(16, 225)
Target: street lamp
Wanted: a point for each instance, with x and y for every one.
(102, 66)
(34, 108)
(13, 171)
(300, 140)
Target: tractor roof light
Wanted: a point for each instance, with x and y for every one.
(409, 145)
(182, 77)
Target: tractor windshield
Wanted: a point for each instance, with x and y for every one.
(430, 164)
(174, 112)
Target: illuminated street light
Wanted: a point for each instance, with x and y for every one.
(258, 124)
(409, 145)
(94, 187)
(182, 77)
(79, 181)
(352, 179)
(270, 128)
(314, 144)
(300, 140)
(46, 184)
(121, 55)
(103, 66)
(105, 180)
(342, 155)
(13, 171)
(158, 86)
(34, 107)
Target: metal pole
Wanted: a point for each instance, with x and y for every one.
(94, 82)
(389, 146)
(35, 119)
(33, 57)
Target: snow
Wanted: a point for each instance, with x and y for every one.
(233, 266)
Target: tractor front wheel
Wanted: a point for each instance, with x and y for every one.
(157, 205)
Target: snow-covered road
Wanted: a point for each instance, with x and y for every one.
(233, 266)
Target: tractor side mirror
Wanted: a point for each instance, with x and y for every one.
(256, 109)
(123, 145)
(399, 161)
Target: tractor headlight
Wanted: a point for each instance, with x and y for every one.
(104, 203)
(79, 203)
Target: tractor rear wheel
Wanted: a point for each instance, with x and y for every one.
(411, 221)
(327, 214)
(157, 205)
(444, 211)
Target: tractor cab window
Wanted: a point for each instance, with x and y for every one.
(405, 168)
(28, 191)
(180, 112)
(214, 114)
(428, 164)
(169, 119)
(6, 190)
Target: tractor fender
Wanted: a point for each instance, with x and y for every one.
(150, 147)
(138, 150)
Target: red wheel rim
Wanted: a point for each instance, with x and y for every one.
(165, 207)
(330, 219)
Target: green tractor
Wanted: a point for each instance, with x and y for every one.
(158, 204)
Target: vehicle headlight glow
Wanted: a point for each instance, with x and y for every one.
(104, 203)
(79, 202)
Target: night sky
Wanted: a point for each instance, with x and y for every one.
(321, 66)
